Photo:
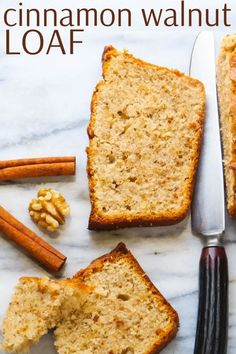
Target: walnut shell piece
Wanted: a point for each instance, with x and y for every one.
(49, 210)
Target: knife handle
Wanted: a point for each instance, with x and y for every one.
(212, 323)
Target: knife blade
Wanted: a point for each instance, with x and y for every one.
(208, 211)
(208, 207)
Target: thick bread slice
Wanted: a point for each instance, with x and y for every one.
(125, 314)
(38, 305)
(145, 133)
(226, 82)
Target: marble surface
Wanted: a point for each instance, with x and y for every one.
(44, 110)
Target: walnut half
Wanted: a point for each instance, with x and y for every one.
(49, 210)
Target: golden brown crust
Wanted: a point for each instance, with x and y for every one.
(98, 223)
(101, 222)
(232, 209)
(121, 251)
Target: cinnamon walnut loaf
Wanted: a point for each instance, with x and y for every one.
(145, 132)
(109, 307)
(226, 82)
(125, 314)
(38, 305)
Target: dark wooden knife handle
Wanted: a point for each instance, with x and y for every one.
(212, 323)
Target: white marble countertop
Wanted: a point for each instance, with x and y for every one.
(44, 110)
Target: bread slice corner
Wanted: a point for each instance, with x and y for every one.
(124, 314)
(144, 140)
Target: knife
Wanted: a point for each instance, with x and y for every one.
(208, 211)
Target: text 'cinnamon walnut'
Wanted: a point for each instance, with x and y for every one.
(49, 210)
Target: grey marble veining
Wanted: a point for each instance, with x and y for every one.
(44, 110)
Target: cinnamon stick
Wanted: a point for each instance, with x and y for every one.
(37, 167)
(30, 242)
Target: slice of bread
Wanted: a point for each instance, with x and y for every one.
(125, 314)
(145, 132)
(38, 305)
(226, 82)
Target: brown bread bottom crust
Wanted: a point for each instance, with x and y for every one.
(97, 224)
